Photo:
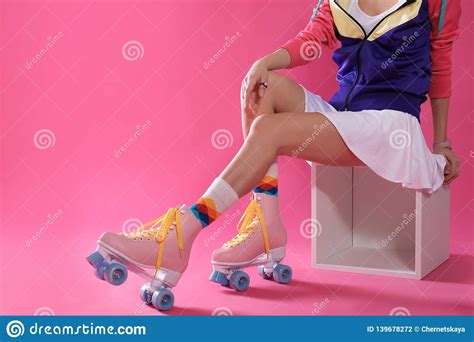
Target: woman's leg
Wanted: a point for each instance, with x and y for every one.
(309, 136)
(262, 236)
(282, 95)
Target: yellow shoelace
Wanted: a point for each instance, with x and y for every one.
(160, 231)
(248, 223)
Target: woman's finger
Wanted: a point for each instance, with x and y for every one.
(448, 172)
(243, 91)
(456, 169)
(254, 99)
(263, 86)
(453, 162)
(450, 180)
(457, 165)
(255, 102)
(249, 89)
(452, 168)
(450, 176)
(447, 167)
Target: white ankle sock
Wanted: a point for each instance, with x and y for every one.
(272, 170)
(218, 198)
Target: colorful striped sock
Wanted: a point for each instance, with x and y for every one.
(269, 184)
(217, 199)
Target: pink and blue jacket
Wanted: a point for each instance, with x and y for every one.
(405, 57)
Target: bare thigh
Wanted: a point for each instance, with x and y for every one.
(309, 136)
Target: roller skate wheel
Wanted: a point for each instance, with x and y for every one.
(145, 293)
(219, 277)
(262, 273)
(99, 271)
(162, 299)
(239, 281)
(282, 274)
(116, 273)
(95, 259)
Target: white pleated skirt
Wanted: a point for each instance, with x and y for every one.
(389, 142)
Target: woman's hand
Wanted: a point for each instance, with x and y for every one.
(452, 169)
(253, 86)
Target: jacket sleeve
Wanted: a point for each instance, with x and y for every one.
(319, 32)
(444, 17)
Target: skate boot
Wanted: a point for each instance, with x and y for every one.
(158, 251)
(261, 242)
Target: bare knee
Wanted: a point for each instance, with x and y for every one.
(262, 135)
(262, 127)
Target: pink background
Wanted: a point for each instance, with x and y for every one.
(90, 98)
